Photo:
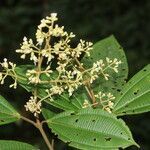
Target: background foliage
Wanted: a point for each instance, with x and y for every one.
(91, 20)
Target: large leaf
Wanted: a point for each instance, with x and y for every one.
(108, 47)
(135, 96)
(7, 113)
(15, 145)
(91, 129)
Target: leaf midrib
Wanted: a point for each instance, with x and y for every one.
(103, 133)
(9, 114)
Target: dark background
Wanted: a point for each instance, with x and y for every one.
(92, 20)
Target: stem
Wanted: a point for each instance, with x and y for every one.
(88, 92)
(28, 120)
(91, 93)
(87, 84)
(53, 143)
(38, 124)
(40, 127)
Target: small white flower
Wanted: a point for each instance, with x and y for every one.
(40, 36)
(106, 76)
(26, 47)
(86, 104)
(105, 99)
(108, 110)
(108, 60)
(56, 90)
(110, 96)
(12, 65)
(93, 78)
(34, 58)
(25, 39)
(2, 81)
(14, 85)
(23, 56)
(33, 106)
(5, 63)
(70, 90)
(54, 17)
(33, 76)
(110, 104)
(62, 56)
(47, 53)
(58, 31)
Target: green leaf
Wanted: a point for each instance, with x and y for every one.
(91, 129)
(15, 145)
(135, 96)
(7, 113)
(22, 79)
(108, 47)
(47, 113)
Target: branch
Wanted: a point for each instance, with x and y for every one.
(40, 127)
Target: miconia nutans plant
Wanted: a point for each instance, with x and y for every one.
(85, 83)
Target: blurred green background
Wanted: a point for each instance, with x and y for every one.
(91, 20)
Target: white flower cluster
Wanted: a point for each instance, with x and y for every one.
(105, 100)
(53, 44)
(46, 31)
(66, 80)
(34, 75)
(8, 70)
(28, 47)
(69, 76)
(33, 106)
(113, 64)
(100, 67)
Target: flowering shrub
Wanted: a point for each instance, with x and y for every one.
(86, 82)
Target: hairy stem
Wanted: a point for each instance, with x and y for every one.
(40, 127)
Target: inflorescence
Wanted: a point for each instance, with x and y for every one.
(53, 44)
